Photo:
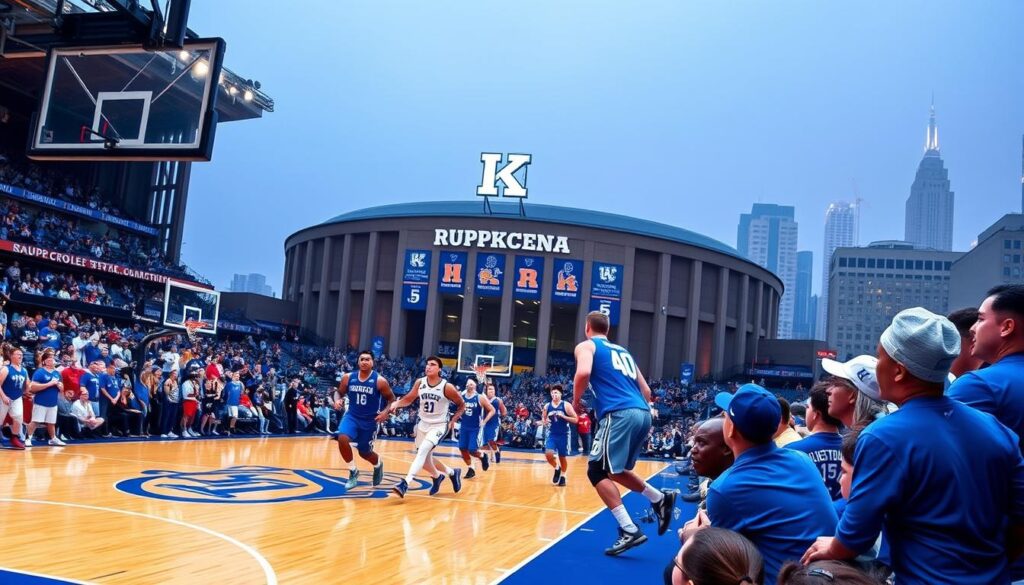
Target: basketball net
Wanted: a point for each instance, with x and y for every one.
(481, 373)
(192, 329)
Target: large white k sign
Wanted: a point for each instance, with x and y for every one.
(513, 188)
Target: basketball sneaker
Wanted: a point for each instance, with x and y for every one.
(57, 442)
(16, 443)
(561, 481)
(557, 476)
(457, 480)
(378, 473)
(437, 484)
(484, 462)
(497, 456)
(663, 510)
(400, 488)
(471, 473)
(353, 479)
(626, 541)
(28, 442)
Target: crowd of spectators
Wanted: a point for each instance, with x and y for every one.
(69, 233)
(72, 287)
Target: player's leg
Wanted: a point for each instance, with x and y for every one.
(562, 444)
(346, 432)
(15, 425)
(464, 452)
(474, 449)
(600, 468)
(633, 428)
(549, 452)
(367, 436)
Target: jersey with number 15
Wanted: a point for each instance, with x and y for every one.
(613, 378)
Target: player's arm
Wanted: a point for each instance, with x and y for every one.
(341, 390)
(570, 414)
(584, 363)
(460, 405)
(389, 395)
(646, 391)
(501, 408)
(544, 415)
(487, 407)
(407, 399)
(3, 378)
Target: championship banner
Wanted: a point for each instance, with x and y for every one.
(53, 202)
(567, 282)
(88, 263)
(416, 280)
(451, 272)
(490, 274)
(606, 290)
(526, 280)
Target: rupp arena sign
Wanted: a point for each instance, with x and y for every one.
(502, 240)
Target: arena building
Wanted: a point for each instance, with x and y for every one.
(415, 278)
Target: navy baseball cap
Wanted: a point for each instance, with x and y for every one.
(754, 410)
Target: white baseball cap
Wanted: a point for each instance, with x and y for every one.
(860, 371)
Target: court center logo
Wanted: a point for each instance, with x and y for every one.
(252, 484)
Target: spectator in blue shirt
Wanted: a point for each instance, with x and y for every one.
(773, 496)
(944, 480)
(232, 398)
(824, 443)
(998, 340)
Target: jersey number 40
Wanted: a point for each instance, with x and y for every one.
(624, 363)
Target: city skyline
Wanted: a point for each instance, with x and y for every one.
(768, 237)
(645, 113)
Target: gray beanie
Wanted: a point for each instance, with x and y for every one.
(922, 341)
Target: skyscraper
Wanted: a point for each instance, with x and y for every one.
(842, 230)
(251, 283)
(929, 213)
(767, 235)
(803, 311)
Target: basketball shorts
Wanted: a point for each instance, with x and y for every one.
(233, 411)
(190, 406)
(359, 433)
(44, 414)
(490, 434)
(15, 409)
(431, 433)
(469, 439)
(620, 439)
(559, 443)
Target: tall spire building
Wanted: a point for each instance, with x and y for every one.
(929, 212)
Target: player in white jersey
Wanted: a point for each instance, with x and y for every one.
(435, 394)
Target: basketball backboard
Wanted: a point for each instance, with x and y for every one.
(128, 103)
(186, 302)
(496, 355)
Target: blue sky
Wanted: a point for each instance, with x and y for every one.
(679, 112)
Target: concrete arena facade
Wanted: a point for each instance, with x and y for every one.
(685, 298)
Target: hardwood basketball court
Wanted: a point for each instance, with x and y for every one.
(274, 510)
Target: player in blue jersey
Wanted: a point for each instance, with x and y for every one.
(559, 415)
(13, 384)
(369, 396)
(477, 406)
(623, 405)
(494, 424)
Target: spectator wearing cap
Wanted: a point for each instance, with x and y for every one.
(774, 497)
(785, 434)
(853, 395)
(824, 443)
(945, 480)
(964, 320)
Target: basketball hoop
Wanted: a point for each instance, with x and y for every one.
(192, 329)
(481, 373)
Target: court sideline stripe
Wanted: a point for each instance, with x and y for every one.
(579, 525)
(268, 571)
(61, 580)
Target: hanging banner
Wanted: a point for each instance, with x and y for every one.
(490, 274)
(567, 282)
(685, 374)
(416, 280)
(527, 278)
(377, 346)
(451, 272)
(606, 290)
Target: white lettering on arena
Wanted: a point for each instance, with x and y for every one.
(440, 237)
(530, 242)
(562, 245)
(485, 238)
(501, 240)
(518, 240)
(498, 240)
(471, 236)
(544, 242)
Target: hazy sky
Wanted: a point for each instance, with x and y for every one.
(677, 111)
